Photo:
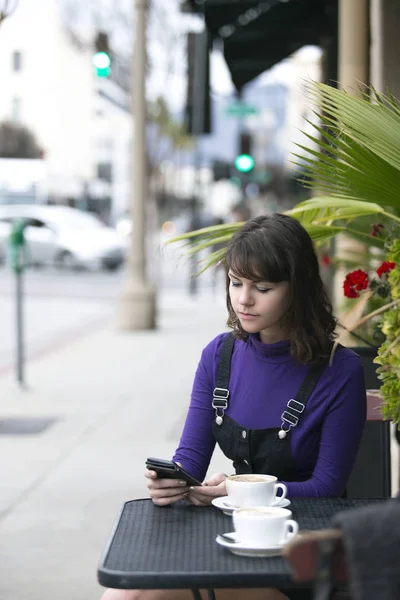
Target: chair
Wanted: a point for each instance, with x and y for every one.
(318, 557)
(371, 474)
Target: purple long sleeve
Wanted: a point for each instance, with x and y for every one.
(263, 378)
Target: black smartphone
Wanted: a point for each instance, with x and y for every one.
(167, 469)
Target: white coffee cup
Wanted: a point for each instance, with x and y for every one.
(254, 490)
(264, 526)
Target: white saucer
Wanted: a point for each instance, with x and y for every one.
(223, 504)
(244, 550)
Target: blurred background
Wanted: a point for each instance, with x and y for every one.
(66, 126)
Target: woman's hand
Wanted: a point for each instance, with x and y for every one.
(212, 488)
(165, 491)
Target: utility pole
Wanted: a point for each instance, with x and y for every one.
(200, 73)
(137, 303)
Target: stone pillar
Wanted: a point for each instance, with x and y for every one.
(353, 44)
(353, 72)
(137, 303)
(377, 57)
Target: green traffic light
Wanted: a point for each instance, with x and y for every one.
(244, 163)
(102, 64)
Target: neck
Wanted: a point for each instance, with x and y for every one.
(270, 336)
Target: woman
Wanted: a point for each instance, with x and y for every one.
(289, 411)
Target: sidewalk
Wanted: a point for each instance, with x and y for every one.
(117, 398)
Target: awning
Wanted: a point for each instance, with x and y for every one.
(256, 35)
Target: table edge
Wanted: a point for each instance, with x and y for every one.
(122, 580)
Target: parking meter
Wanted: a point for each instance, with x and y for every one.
(17, 246)
(18, 263)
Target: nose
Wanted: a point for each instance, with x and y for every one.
(246, 297)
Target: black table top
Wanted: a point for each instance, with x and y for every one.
(174, 547)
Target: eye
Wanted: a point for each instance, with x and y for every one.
(263, 290)
(235, 283)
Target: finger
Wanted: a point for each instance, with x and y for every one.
(165, 483)
(216, 479)
(167, 492)
(164, 501)
(208, 491)
(150, 474)
(201, 497)
(197, 501)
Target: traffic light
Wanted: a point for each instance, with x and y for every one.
(102, 57)
(244, 162)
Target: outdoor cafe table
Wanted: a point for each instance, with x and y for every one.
(174, 547)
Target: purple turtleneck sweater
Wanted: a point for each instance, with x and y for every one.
(263, 378)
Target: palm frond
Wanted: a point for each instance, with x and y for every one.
(359, 154)
(355, 171)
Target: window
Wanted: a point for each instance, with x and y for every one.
(16, 109)
(17, 61)
(32, 222)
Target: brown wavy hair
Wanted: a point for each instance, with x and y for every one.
(277, 248)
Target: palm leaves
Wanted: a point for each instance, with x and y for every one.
(356, 170)
(360, 143)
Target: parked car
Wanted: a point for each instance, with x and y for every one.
(63, 236)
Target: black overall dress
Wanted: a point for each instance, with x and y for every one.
(259, 450)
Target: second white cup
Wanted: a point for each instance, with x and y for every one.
(261, 527)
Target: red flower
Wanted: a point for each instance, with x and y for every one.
(355, 282)
(326, 260)
(349, 291)
(385, 267)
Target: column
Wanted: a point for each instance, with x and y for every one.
(353, 44)
(137, 302)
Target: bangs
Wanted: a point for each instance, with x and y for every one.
(256, 260)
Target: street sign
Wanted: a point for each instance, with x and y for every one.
(241, 109)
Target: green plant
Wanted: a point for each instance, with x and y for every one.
(389, 352)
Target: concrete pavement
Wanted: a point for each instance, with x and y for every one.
(117, 398)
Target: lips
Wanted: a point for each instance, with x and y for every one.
(247, 315)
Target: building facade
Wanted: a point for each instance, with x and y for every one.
(82, 123)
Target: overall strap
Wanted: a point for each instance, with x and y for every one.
(296, 405)
(221, 391)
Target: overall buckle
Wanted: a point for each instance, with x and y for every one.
(296, 405)
(220, 398)
(289, 418)
(220, 403)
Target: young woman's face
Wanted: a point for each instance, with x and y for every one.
(260, 306)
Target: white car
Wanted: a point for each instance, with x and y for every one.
(63, 236)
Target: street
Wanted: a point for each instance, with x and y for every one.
(61, 305)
